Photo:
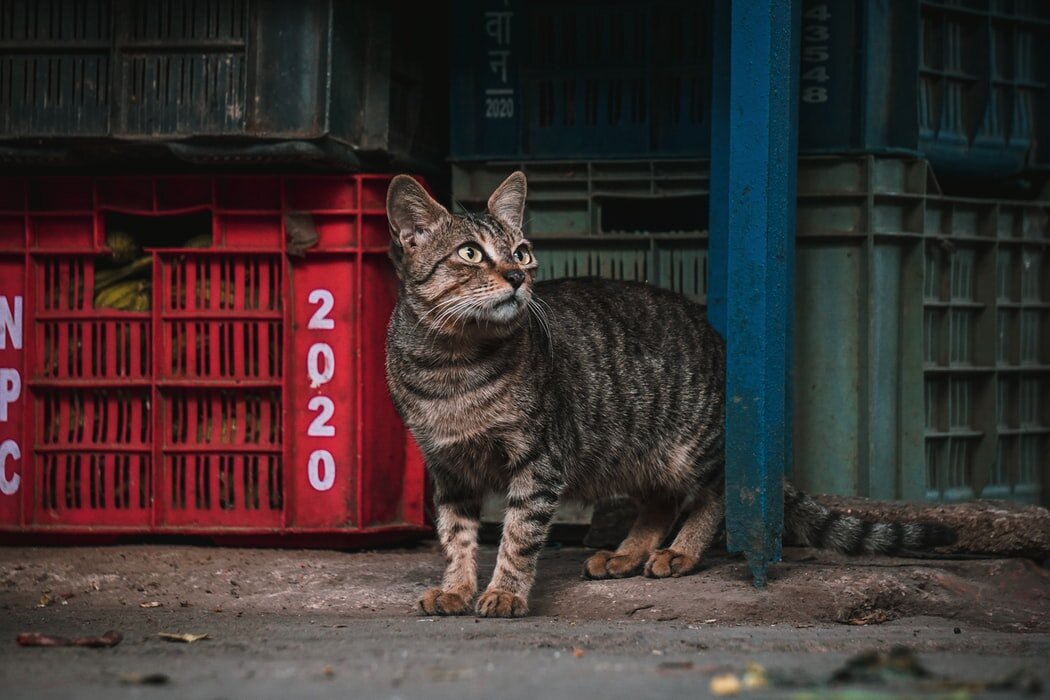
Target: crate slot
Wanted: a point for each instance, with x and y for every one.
(223, 417)
(88, 349)
(233, 283)
(94, 482)
(82, 418)
(223, 349)
(211, 482)
(652, 214)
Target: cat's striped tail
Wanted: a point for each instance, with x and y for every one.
(809, 523)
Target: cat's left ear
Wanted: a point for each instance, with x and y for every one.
(507, 203)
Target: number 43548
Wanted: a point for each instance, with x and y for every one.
(815, 54)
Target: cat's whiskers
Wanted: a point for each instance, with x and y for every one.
(454, 312)
(439, 305)
(541, 317)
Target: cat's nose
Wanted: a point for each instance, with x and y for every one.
(515, 277)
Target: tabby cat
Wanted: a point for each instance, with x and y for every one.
(574, 388)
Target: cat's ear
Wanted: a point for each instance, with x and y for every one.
(507, 203)
(412, 213)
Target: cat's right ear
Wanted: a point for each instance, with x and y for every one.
(412, 213)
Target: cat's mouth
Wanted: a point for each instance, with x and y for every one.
(506, 308)
(509, 302)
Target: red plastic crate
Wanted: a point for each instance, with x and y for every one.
(249, 402)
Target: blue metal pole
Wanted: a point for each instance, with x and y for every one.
(753, 168)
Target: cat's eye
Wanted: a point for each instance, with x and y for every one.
(470, 253)
(522, 256)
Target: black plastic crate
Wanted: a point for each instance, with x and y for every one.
(222, 79)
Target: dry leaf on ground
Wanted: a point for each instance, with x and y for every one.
(185, 638)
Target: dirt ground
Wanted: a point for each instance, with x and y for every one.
(313, 623)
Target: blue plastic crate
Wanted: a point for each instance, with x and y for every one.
(962, 82)
(585, 79)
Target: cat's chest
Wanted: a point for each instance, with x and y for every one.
(461, 406)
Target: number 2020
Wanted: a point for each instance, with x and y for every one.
(320, 369)
(499, 107)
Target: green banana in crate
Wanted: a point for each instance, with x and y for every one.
(122, 245)
(121, 295)
(201, 241)
(106, 278)
(141, 302)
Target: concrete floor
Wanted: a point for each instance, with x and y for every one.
(328, 624)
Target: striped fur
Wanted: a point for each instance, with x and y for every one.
(581, 388)
(809, 523)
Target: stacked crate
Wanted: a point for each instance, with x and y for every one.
(922, 360)
(963, 83)
(905, 297)
(232, 384)
(219, 82)
(247, 400)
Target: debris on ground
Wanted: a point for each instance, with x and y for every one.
(898, 670)
(875, 617)
(36, 639)
(184, 638)
(876, 667)
(753, 678)
(145, 678)
(725, 684)
(900, 667)
(150, 604)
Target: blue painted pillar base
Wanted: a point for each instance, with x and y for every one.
(753, 166)
(759, 568)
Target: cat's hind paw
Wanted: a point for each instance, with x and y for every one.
(670, 563)
(439, 602)
(501, 604)
(605, 564)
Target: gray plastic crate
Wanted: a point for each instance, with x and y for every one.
(922, 358)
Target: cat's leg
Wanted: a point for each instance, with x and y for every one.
(654, 520)
(532, 499)
(698, 530)
(458, 520)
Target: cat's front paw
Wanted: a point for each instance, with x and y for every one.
(502, 604)
(439, 602)
(667, 563)
(605, 564)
